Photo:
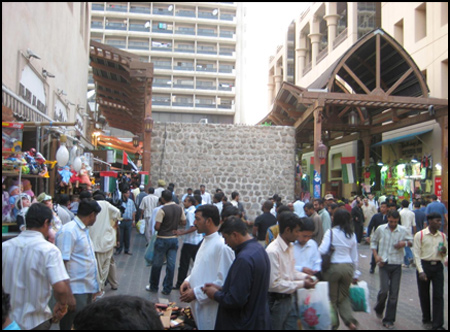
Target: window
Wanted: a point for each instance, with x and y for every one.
(421, 21)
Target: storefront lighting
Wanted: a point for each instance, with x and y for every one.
(438, 167)
(380, 163)
(414, 159)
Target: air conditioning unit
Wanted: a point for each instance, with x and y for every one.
(203, 121)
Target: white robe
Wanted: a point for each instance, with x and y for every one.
(213, 260)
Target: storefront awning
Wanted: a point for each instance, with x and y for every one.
(399, 139)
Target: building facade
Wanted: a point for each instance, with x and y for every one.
(323, 35)
(196, 49)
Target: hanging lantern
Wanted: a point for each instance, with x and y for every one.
(148, 124)
(62, 155)
(135, 141)
(322, 151)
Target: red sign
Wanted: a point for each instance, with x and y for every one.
(438, 187)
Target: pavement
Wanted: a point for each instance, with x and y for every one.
(133, 276)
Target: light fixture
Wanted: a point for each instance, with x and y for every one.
(215, 12)
(438, 166)
(380, 163)
(353, 118)
(31, 54)
(148, 124)
(135, 141)
(147, 24)
(170, 8)
(322, 151)
(46, 73)
(62, 155)
(414, 159)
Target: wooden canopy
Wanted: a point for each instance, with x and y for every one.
(123, 86)
(373, 88)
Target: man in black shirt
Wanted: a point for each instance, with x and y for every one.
(376, 221)
(263, 222)
(243, 302)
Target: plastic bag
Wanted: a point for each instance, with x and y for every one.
(148, 256)
(140, 226)
(359, 297)
(314, 307)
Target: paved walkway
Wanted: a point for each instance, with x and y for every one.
(134, 275)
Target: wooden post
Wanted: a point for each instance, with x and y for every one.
(317, 139)
(147, 158)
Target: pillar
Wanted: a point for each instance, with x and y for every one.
(317, 192)
(443, 122)
(332, 21)
(301, 61)
(147, 158)
(315, 40)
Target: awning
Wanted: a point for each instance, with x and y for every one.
(403, 138)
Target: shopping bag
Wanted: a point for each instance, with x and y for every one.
(148, 256)
(140, 226)
(314, 307)
(359, 297)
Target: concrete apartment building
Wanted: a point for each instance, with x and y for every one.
(196, 49)
(322, 35)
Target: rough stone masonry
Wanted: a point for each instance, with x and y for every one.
(256, 161)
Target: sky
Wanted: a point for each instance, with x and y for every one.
(266, 28)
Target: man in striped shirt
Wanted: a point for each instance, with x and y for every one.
(31, 269)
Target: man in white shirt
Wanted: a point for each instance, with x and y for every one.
(306, 250)
(284, 279)
(148, 204)
(408, 219)
(214, 259)
(299, 208)
(206, 197)
(191, 240)
(32, 268)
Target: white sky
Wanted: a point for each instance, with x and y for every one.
(266, 28)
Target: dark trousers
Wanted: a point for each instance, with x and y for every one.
(359, 230)
(390, 277)
(435, 275)
(187, 252)
(125, 235)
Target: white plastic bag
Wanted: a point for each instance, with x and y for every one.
(314, 307)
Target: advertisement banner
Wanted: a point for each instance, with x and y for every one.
(317, 185)
(438, 187)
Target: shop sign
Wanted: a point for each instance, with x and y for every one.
(317, 185)
(438, 187)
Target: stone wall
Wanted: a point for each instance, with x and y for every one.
(255, 161)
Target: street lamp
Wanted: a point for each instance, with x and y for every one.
(148, 124)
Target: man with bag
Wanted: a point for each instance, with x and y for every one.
(391, 240)
(284, 279)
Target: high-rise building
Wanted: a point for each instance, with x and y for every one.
(196, 49)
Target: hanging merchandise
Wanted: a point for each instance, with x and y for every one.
(62, 155)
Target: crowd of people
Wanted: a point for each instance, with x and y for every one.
(244, 275)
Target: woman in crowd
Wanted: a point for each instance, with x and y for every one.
(344, 266)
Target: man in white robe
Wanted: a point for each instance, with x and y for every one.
(103, 236)
(213, 260)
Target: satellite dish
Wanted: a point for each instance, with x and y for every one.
(170, 8)
(215, 12)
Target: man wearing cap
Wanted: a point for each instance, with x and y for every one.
(160, 189)
(139, 199)
(79, 258)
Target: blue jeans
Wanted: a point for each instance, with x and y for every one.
(164, 248)
(408, 256)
